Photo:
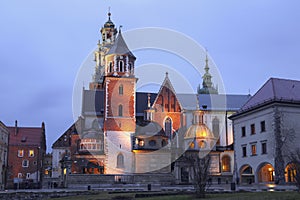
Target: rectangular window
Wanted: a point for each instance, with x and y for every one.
(31, 153)
(27, 175)
(262, 126)
(25, 163)
(252, 129)
(243, 131)
(264, 148)
(20, 153)
(253, 149)
(244, 149)
(20, 175)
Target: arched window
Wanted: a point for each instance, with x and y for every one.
(202, 144)
(216, 129)
(168, 127)
(110, 67)
(120, 161)
(120, 110)
(121, 66)
(121, 89)
(226, 166)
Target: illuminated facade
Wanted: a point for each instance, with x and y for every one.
(122, 131)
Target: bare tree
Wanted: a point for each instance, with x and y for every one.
(283, 137)
(294, 165)
(200, 168)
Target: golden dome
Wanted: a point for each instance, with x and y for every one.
(198, 131)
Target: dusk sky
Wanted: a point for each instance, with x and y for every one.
(44, 43)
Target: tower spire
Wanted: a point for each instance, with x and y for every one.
(109, 14)
(207, 85)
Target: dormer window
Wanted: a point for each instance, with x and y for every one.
(23, 139)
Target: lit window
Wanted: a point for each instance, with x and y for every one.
(202, 144)
(25, 163)
(141, 143)
(226, 167)
(252, 129)
(253, 149)
(192, 145)
(31, 153)
(91, 145)
(262, 126)
(20, 153)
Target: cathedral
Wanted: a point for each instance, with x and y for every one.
(123, 131)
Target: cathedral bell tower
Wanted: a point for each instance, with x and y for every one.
(108, 36)
(119, 87)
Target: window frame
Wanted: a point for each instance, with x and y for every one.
(244, 151)
(252, 129)
(264, 148)
(20, 155)
(121, 89)
(253, 149)
(27, 162)
(120, 110)
(29, 153)
(263, 126)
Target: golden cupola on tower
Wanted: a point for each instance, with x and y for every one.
(198, 136)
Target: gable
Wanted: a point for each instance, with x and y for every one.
(166, 99)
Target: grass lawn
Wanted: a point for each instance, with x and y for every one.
(225, 196)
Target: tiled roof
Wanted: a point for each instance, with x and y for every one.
(275, 89)
(120, 47)
(220, 102)
(142, 100)
(89, 105)
(26, 136)
(65, 139)
(187, 101)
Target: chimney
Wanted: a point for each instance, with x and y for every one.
(16, 127)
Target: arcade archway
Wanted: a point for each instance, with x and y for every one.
(265, 173)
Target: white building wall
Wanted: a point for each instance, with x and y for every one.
(290, 120)
(57, 155)
(118, 142)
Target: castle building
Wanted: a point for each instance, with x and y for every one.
(26, 151)
(266, 133)
(122, 131)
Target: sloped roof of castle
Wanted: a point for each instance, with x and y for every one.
(275, 89)
(27, 136)
(221, 102)
(120, 47)
(65, 140)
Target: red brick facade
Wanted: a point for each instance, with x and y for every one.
(27, 147)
